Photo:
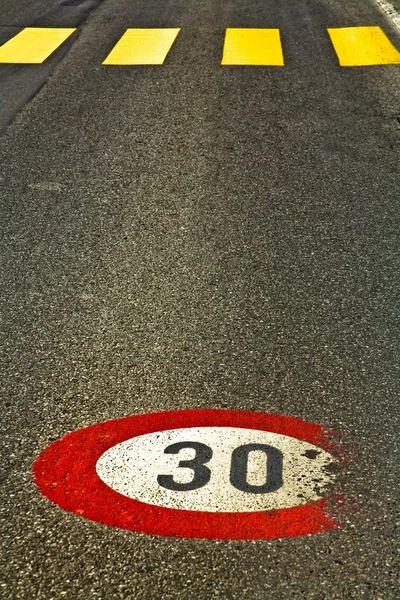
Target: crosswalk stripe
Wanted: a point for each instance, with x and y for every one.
(260, 47)
(354, 46)
(363, 46)
(33, 45)
(142, 47)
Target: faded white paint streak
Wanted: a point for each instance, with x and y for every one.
(390, 10)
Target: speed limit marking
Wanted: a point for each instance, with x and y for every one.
(217, 474)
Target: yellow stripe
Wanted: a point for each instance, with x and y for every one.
(142, 47)
(33, 45)
(363, 46)
(253, 47)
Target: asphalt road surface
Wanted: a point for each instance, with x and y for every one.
(198, 235)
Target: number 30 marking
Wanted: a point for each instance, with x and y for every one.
(238, 472)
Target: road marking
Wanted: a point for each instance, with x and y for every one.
(391, 11)
(33, 45)
(132, 467)
(260, 47)
(363, 46)
(219, 474)
(142, 47)
(354, 46)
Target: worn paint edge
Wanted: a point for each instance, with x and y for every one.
(390, 10)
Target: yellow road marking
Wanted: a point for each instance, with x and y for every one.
(142, 47)
(252, 47)
(363, 46)
(33, 45)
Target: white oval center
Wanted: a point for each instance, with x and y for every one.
(139, 468)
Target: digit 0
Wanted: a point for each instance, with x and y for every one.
(274, 469)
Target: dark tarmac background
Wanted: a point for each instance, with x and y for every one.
(192, 235)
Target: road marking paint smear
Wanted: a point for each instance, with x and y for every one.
(33, 45)
(260, 47)
(363, 46)
(142, 47)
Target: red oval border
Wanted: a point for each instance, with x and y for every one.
(65, 473)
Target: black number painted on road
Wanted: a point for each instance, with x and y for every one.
(202, 473)
(238, 472)
(274, 469)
